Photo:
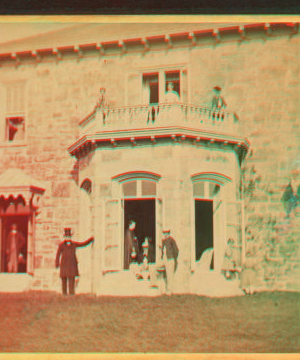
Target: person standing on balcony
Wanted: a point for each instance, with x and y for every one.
(14, 244)
(169, 256)
(170, 112)
(67, 261)
(218, 103)
(102, 105)
(171, 96)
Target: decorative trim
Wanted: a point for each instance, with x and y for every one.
(213, 177)
(136, 175)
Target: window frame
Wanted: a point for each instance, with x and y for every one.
(161, 71)
(14, 112)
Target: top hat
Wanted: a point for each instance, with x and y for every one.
(217, 88)
(166, 231)
(67, 232)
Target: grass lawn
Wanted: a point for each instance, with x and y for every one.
(49, 322)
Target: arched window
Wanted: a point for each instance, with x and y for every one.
(87, 186)
(208, 219)
(140, 184)
(139, 203)
(208, 185)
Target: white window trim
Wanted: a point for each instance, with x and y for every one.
(160, 70)
(5, 114)
(221, 196)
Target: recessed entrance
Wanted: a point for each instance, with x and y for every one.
(22, 226)
(143, 213)
(203, 227)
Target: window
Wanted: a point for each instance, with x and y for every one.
(206, 190)
(150, 87)
(15, 128)
(174, 78)
(129, 189)
(15, 111)
(139, 188)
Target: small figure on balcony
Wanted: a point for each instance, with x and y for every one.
(171, 96)
(102, 105)
(170, 111)
(218, 103)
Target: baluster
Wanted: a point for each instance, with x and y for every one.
(156, 111)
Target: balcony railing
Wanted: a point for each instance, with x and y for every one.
(159, 115)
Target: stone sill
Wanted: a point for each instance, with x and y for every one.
(11, 144)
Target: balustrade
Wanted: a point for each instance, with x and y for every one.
(158, 115)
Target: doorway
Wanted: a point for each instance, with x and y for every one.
(203, 228)
(22, 225)
(143, 213)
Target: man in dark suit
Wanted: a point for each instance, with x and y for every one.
(169, 256)
(66, 259)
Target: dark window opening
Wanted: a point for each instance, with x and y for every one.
(150, 82)
(15, 128)
(143, 213)
(87, 186)
(203, 228)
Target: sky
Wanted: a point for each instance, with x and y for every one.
(10, 31)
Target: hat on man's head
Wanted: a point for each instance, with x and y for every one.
(67, 232)
(166, 231)
(217, 88)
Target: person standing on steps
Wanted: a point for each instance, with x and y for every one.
(169, 256)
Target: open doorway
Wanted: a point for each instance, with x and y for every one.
(203, 228)
(143, 213)
(22, 226)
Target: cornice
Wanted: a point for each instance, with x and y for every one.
(133, 137)
(148, 43)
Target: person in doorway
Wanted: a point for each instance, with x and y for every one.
(67, 261)
(14, 245)
(169, 256)
(131, 251)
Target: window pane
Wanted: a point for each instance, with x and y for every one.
(199, 189)
(15, 128)
(15, 98)
(214, 190)
(148, 188)
(129, 188)
(174, 78)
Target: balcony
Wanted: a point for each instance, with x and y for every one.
(159, 116)
(152, 123)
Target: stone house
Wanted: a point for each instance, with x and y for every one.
(209, 173)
